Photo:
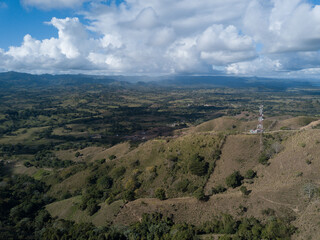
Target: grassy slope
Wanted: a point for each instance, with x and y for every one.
(94, 153)
(68, 209)
(279, 186)
(240, 153)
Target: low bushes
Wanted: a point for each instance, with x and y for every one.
(234, 180)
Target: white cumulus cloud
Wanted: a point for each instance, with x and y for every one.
(262, 65)
(251, 37)
(220, 46)
(72, 50)
(284, 25)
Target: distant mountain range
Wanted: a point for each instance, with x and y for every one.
(15, 79)
(9, 80)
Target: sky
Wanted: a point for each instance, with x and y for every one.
(268, 38)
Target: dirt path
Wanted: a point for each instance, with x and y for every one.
(311, 125)
(291, 206)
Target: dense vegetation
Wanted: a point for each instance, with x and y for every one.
(23, 217)
(21, 206)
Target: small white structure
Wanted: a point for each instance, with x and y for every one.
(259, 128)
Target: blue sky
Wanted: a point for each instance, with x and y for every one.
(234, 37)
(17, 20)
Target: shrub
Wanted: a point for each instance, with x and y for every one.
(105, 182)
(310, 190)
(109, 200)
(160, 194)
(250, 174)
(268, 212)
(218, 189)
(136, 163)
(244, 190)
(183, 231)
(229, 225)
(198, 166)
(66, 195)
(234, 180)
(83, 205)
(220, 225)
(129, 195)
(92, 207)
(199, 194)
(277, 147)
(263, 159)
(118, 172)
(242, 209)
(101, 161)
(216, 154)
(277, 229)
(92, 179)
(92, 192)
(112, 157)
(27, 164)
(173, 158)
(132, 184)
(182, 185)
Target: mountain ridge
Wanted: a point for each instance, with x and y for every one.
(17, 79)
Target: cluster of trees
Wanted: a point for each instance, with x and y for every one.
(105, 185)
(16, 149)
(248, 228)
(153, 226)
(48, 159)
(22, 199)
(35, 112)
(156, 226)
(98, 189)
(235, 179)
(22, 214)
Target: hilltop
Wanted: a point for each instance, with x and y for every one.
(285, 185)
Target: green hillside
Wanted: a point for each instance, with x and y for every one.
(192, 170)
(150, 162)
